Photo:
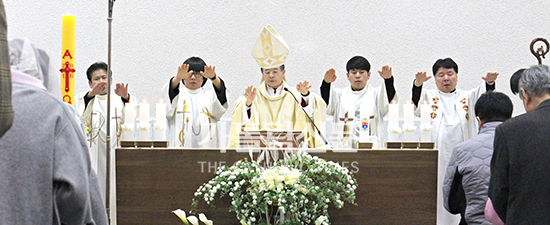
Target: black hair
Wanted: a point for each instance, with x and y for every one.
(494, 106)
(447, 63)
(94, 67)
(281, 68)
(514, 80)
(196, 65)
(358, 63)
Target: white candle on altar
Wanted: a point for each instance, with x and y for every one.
(161, 111)
(129, 121)
(393, 122)
(408, 122)
(425, 122)
(129, 113)
(425, 113)
(408, 113)
(393, 114)
(160, 121)
(144, 124)
(144, 112)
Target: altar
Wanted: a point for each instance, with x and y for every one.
(395, 186)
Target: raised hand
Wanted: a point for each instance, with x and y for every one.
(122, 90)
(250, 95)
(303, 87)
(421, 77)
(209, 72)
(97, 89)
(490, 78)
(330, 75)
(385, 72)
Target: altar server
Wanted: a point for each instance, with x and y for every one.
(453, 117)
(359, 107)
(193, 110)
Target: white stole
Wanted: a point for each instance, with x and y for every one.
(367, 108)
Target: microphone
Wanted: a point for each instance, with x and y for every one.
(310, 120)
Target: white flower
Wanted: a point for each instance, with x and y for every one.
(160, 126)
(193, 220)
(181, 214)
(126, 127)
(205, 220)
(426, 127)
(409, 128)
(394, 129)
(143, 126)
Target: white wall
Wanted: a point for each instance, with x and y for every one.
(152, 37)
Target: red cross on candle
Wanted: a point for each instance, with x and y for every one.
(67, 70)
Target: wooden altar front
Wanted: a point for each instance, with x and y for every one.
(394, 186)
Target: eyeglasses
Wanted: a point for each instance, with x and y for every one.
(196, 74)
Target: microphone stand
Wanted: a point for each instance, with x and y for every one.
(108, 138)
(310, 120)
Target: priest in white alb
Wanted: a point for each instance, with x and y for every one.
(452, 116)
(359, 108)
(92, 106)
(271, 106)
(193, 110)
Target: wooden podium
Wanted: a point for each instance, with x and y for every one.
(394, 186)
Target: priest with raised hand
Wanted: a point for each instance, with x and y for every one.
(193, 110)
(92, 107)
(358, 107)
(453, 117)
(271, 106)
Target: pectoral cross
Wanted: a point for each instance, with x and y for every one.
(346, 127)
(183, 121)
(118, 127)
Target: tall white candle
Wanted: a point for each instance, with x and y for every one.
(393, 122)
(160, 121)
(128, 127)
(144, 124)
(425, 113)
(129, 113)
(425, 123)
(408, 113)
(393, 114)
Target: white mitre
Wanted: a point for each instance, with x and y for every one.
(270, 50)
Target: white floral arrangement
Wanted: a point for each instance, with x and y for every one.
(294, 190)
(126, 127)
(143, 126)
(160, 126)
(192, 219)
(395, 129)
(426, 127)
(409, 128)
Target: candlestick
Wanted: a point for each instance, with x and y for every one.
(144, 123)
(67, 58)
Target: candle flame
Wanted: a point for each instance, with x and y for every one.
(144, 101)
(425, 102)
(393, 101)
(409, 101)
(161, 101)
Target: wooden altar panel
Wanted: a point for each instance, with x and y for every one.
(394, 186)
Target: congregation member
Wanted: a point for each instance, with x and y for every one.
(359, 106)
(92, 107)
(270, 106)
(452, 117)
(193, 110)
(45, 165)
(519, 187)
(6, 109)
(467, 176)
